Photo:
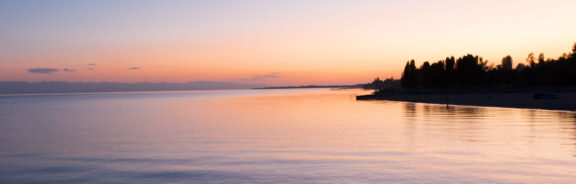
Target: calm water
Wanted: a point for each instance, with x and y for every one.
(277, 136)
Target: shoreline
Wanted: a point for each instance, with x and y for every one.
(525, 100)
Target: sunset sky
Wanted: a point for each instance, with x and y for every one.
(293, 42)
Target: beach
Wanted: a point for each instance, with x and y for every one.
(561, 101)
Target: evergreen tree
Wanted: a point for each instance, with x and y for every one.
(471, 71)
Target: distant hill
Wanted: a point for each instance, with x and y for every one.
(315, 86)
(85, 87)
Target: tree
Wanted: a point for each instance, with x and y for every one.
(530, 60)
(425, 78)
(470, 71)
(450, 64)
(409, 76)
(377, 84)
(507, 63)
(573, 52)
(520, 67)
(541, 59)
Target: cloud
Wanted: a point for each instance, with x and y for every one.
(134, 68)
(43, 70)
(91, 66)
(256, 78)
(68, 70)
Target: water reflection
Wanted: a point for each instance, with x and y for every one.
(277, 136)
(490, 125)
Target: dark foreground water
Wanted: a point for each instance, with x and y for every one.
(277, 136)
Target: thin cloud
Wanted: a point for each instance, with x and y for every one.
(134, 68)
(68, 70)
(90, 68)
(43, 70)
(256, 78)
(91, 64)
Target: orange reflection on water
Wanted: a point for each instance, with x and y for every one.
(318, 134)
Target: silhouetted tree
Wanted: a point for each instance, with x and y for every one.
(573, 52)
(471, 71)
(530, 59)
(409, 77)
(449, 79)
(383, 85)
(541, 58)
(504, 73)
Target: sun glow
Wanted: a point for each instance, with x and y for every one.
(325, 42)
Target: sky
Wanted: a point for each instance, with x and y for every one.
(296, 42)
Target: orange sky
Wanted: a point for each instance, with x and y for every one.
(280, 43)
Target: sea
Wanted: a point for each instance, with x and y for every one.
(277, 136)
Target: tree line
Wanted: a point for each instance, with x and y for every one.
(472, 71)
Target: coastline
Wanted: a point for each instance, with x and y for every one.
(563, 101)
